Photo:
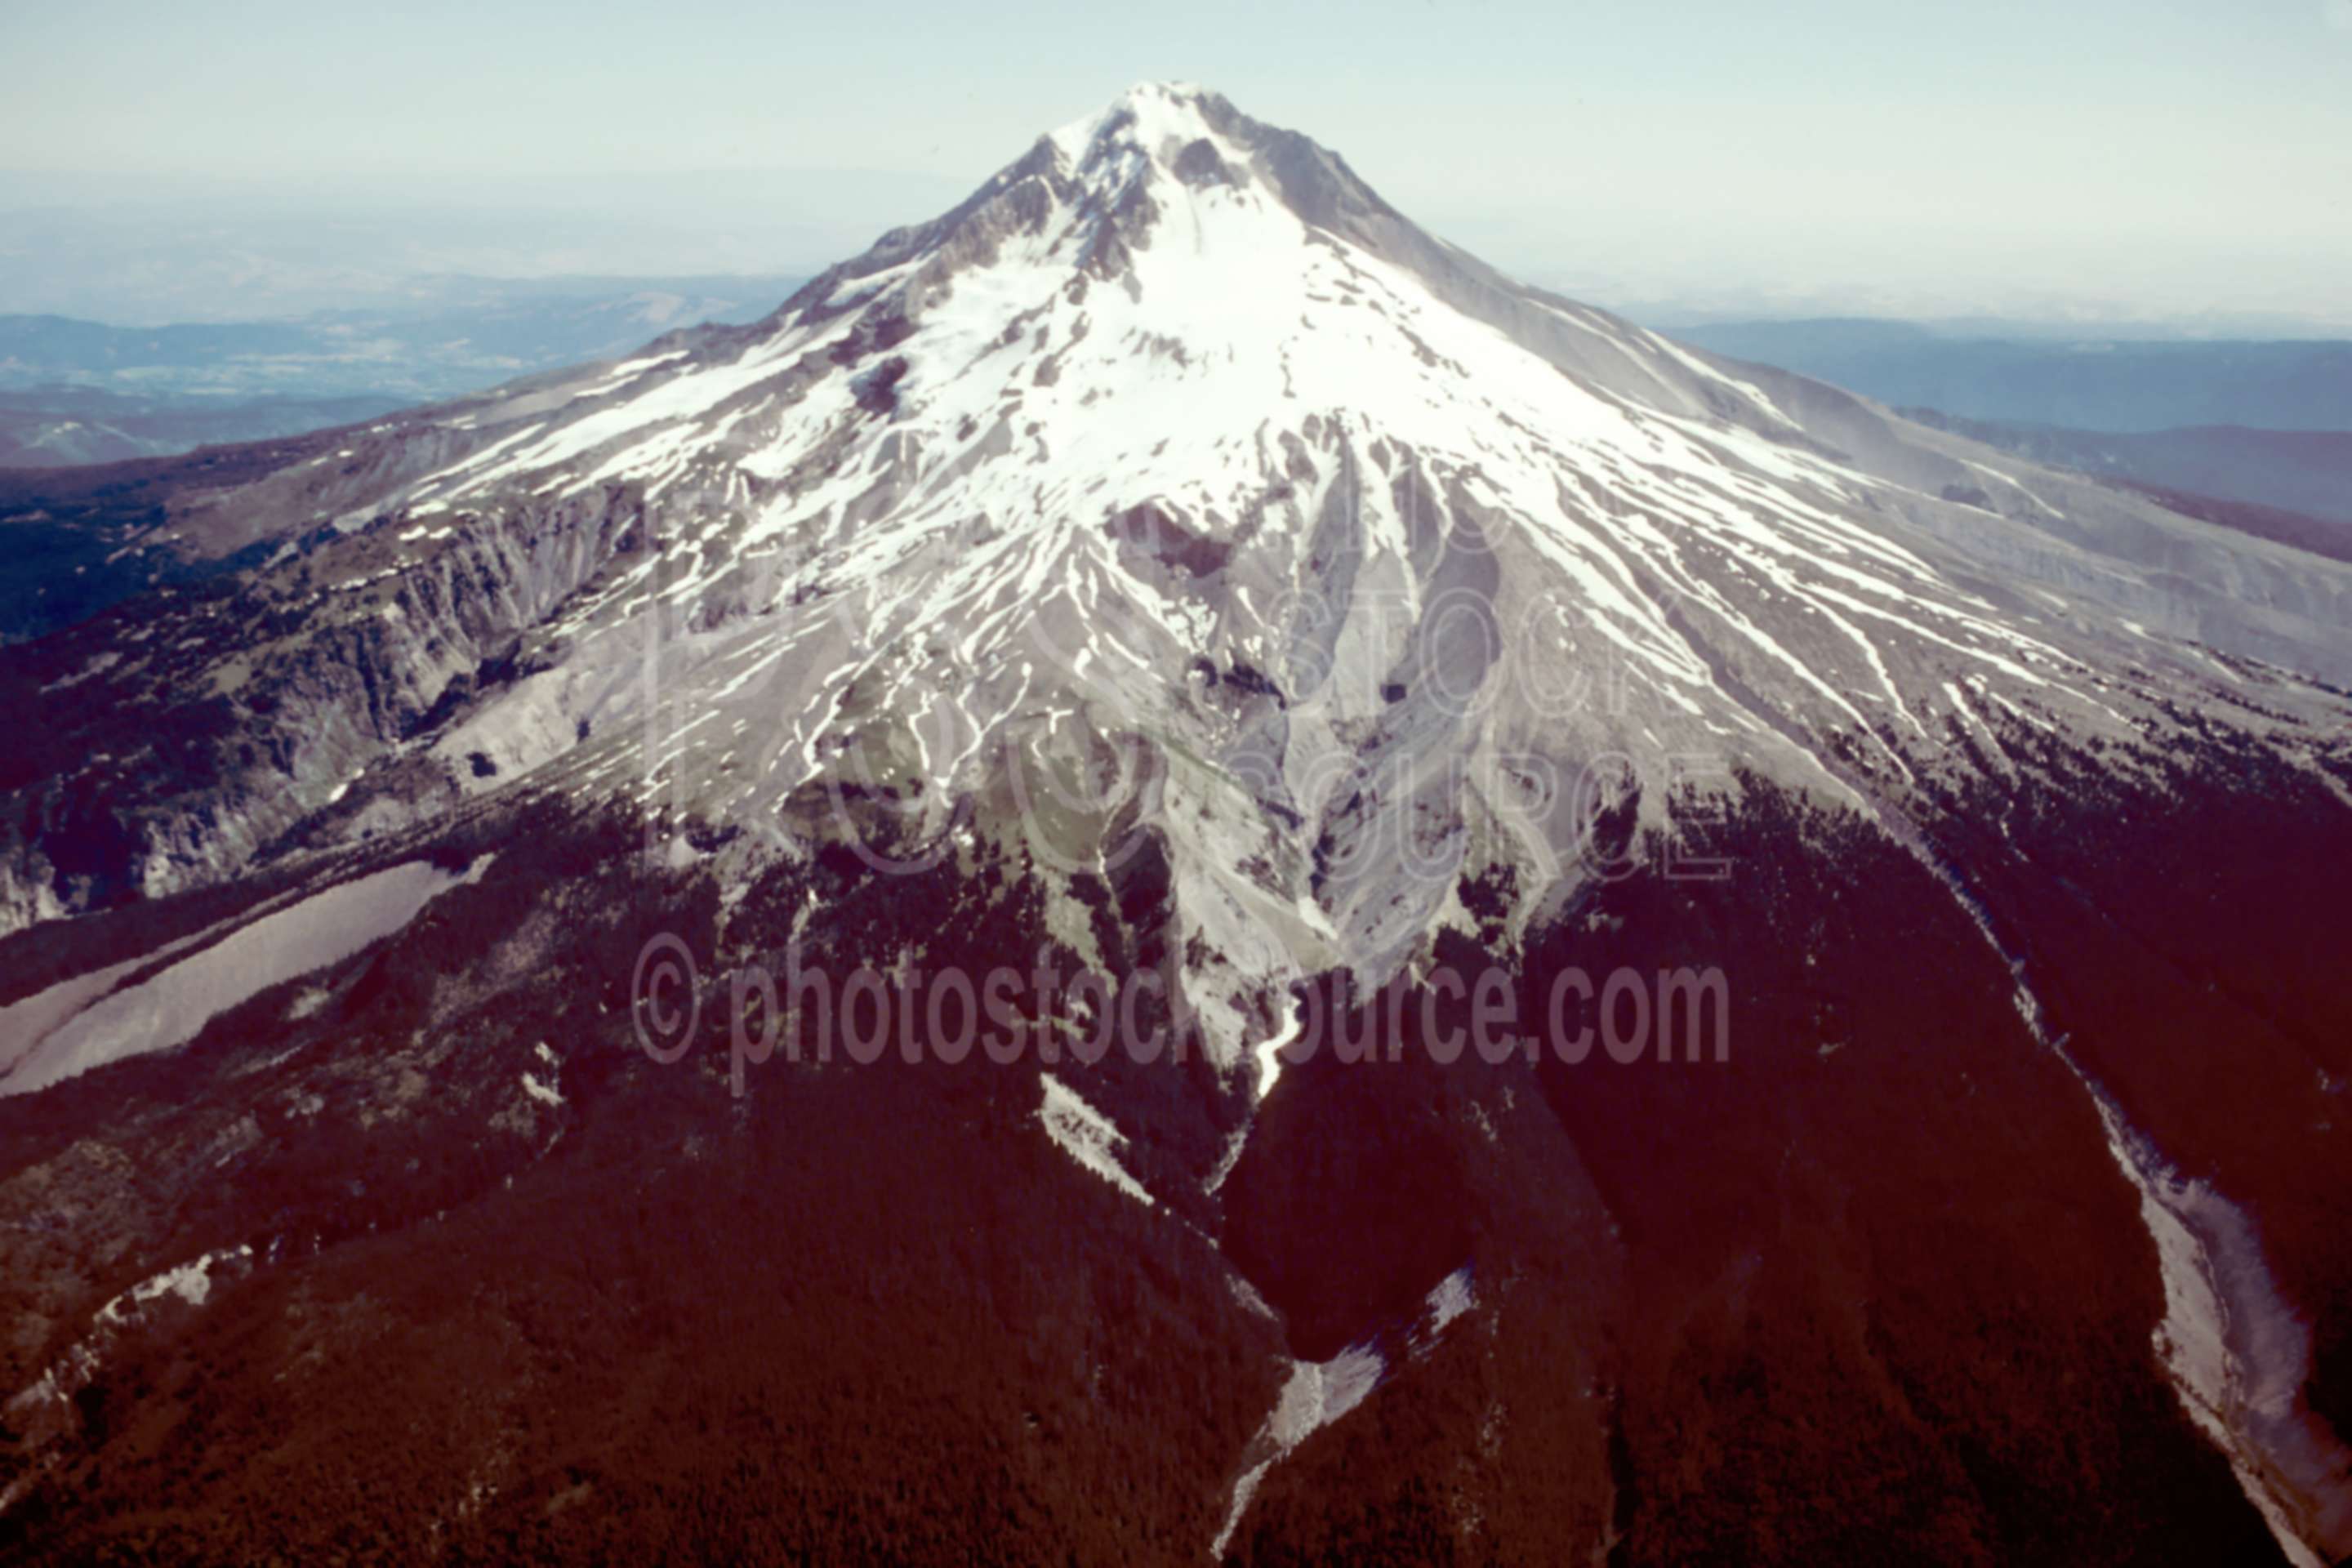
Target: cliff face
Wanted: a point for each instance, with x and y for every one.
(194, 728)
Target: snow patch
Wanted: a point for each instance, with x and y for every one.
(2238, 1354)
(191, 1281)
(1315, 1394)
(1452, 1296)
(1087, 1136)
(169, 1008)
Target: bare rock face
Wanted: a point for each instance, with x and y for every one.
(222, 717)
(1173, 563)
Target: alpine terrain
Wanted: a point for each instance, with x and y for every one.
(497, 901)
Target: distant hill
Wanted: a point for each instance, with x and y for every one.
(65, 426)
(75, 392)
(453, 335)
(2308, 471)
(2093, 383)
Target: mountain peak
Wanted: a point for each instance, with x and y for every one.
(1153, 133)
(1094, 194)
(1148, 113)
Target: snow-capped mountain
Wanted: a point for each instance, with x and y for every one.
(1176, 386)
(1268, 593)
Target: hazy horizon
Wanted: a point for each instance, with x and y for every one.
(2112, 165)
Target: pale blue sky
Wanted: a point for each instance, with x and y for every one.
(2155, 155)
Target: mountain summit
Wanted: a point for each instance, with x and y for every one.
(1174, 566)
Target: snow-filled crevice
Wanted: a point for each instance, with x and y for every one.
(1314, 1395)
(2236, 1352)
